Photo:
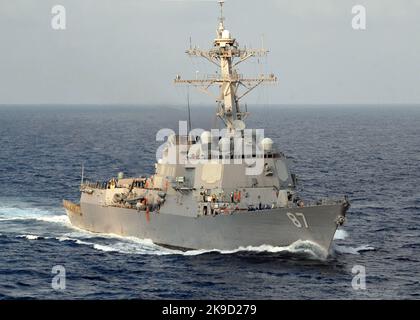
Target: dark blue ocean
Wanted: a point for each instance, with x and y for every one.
(370, 153)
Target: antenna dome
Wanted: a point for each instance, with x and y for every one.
(224, 144)
(226, 34)
(205, 137)
(267, 144)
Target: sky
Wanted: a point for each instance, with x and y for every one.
(129, 51)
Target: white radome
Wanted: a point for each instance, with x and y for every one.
(224, 144)
(226, 34)
(239, 125)
(205, 137)
(267, 144)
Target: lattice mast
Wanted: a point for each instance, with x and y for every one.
(227, 55)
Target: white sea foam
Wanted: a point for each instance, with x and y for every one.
(121, 244)
(22, 212)
(351, 250)
(29, 236)
(340, 234)
(77, 241)
(104, 248)
(305, 247)
(62, 219)
(11, 219)
(132, 245)
(19, 213)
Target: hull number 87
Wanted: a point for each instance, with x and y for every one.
(298, 219)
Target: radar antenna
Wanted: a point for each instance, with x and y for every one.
(221, 19)
(227, 55)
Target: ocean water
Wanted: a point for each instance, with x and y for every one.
(370, 153)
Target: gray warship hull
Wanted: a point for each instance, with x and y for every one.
(223, 232)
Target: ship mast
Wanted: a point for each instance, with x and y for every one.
(227, 55)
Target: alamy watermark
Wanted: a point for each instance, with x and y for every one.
(218, 146)
(58, 20)
(359, 19)
(58, 281)
(359, 279)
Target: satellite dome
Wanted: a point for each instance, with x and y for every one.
(267, 144)
(226, 34)
(205, 137)
(224, 144)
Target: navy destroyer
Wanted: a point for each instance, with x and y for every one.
(220, 189)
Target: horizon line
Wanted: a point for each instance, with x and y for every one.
(206, 105)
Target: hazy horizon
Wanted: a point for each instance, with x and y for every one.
(206, 105)
(114, 53)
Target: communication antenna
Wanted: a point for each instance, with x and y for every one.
(227, 55)
(221, 2)
(189, 111)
